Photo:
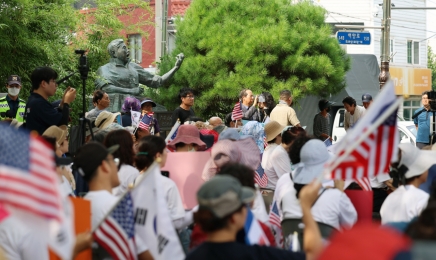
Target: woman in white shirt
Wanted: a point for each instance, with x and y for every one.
(332, 207)
(407, 201)
(126, 172)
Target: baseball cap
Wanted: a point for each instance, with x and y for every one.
(416, 161)
(89, 156)
(223, 195)
(148, 100)
(14, 79)
(324, 103)
(366, 97)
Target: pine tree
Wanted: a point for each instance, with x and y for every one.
(261, 45)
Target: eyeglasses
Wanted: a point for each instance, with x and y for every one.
(192, 97)
(424, 98)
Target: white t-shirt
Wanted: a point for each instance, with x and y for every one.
(333, 208)
(19, 242)
(127, 175)
(402, 205)
(101, 202)
(172, 197)
(267, 165)
(66, 187)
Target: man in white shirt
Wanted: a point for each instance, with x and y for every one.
(407, 201)
(353, 114)
(100, 170)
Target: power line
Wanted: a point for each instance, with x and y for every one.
(400, 26)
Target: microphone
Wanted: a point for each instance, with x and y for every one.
(65, 78)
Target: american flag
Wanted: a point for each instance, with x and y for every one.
(116, 233)
(274, 217)
(173, 132)
(371, 155)
(237, 112)
(364, 183)
(146, 121)
(28, 180)
(260, 177)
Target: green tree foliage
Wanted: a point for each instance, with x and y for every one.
(46, 32)
(431, 64)
(261, 45)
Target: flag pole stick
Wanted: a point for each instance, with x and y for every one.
(365, 135)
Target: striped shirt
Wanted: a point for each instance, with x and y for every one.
(321, 125)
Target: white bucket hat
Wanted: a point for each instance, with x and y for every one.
(313, 156)
(417, 161)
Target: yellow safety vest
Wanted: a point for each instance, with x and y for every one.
(20, 111)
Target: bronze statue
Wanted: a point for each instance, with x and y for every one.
(120, 78)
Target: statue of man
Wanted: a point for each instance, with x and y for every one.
(120, 78)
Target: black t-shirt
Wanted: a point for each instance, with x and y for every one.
(182, 114)
(40, 114)
(237, 251)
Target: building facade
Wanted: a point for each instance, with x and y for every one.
(408, 42)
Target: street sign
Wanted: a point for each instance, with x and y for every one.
(354, 38)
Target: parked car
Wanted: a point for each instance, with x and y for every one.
(406, 128)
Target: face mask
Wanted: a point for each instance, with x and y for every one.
(13, 91)
(192, 149)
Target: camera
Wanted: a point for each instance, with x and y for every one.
(432, 99)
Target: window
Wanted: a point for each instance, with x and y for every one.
(409, 108)
(412, 52)
(135, 47)
(392, 49)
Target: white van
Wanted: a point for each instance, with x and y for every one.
(407, 129)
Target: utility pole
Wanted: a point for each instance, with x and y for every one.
(385, 55)
(386, 38)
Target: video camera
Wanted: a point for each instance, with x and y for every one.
(432, 100)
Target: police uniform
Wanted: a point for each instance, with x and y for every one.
(17, 107)
(4, 106)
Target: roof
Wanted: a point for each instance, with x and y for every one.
(178, 7)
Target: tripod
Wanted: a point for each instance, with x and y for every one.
(83, 121)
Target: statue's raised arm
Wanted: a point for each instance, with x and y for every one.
(120, 77)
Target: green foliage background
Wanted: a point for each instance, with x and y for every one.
(261, 45)
(431, 64)
(37, 33)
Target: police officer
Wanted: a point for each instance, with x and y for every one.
(11, 106)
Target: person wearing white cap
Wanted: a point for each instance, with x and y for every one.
(407, 201)
(332, 207)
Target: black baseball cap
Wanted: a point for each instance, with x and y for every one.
(14, 79)
(89, 156)
(366, 97)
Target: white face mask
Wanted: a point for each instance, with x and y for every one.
(192, 149)
(13, 91)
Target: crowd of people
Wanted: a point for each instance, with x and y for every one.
(266, 165)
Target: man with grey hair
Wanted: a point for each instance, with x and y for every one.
(121, 78)
(283, 113)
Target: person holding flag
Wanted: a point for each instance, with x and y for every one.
(99, 169)
(223, 212)
(147, 109)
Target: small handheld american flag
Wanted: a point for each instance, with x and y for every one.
(116, 233)
(260, 177)
(237, 112)
(145, 122)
